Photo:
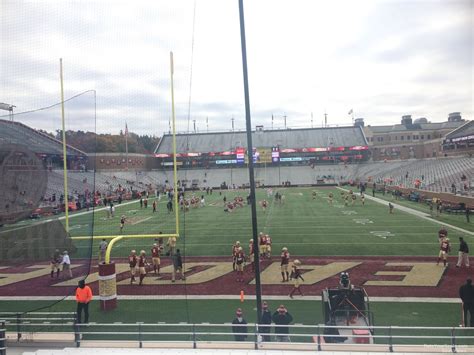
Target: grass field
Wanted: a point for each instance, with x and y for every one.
(306, 226)
(458, 220)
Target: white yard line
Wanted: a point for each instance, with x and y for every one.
(233, 297)
(416, 213)
(141, 220)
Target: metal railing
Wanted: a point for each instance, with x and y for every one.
(3, 338)
(313, 337)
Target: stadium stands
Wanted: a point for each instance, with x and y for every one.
(40, 143)
(296, 138)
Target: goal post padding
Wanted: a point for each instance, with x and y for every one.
(107, 275)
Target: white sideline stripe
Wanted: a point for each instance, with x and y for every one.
(416, 213)
(92, 210)
(234, 297)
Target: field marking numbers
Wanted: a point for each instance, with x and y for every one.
(78, 226)
(382, 234)
(363, 221)
(348, 213)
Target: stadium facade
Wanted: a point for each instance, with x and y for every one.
(410, 139)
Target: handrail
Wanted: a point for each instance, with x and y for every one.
(194, 333)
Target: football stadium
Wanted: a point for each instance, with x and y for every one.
(333, 237)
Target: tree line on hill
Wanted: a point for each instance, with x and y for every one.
(91, 142)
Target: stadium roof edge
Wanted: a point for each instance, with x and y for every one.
(44, 135)
(264, 130)
(454, 132)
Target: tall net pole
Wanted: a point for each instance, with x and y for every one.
(66, 199)
(258, 287)
(175, 169)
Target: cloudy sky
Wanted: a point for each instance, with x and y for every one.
(383, 59)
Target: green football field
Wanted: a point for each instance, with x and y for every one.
(307, 226)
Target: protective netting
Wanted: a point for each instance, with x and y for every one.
(36, 189)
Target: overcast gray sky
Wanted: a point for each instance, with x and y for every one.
(383, 59)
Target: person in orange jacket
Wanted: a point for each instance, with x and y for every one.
(83, 297)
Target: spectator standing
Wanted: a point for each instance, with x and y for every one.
(266, 320)
(466, 293)
(102, 249)
(239, 326)
(66, 262)
(83, 297)
(463, 255)
(282, 318)
(467, 212)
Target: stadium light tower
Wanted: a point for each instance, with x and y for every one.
(9, 108)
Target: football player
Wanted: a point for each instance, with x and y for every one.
(251, 255)
(330, 198)
(122, 222)
(55, 262)
(132, 262)
(155, 257)
(285, 260)
(444, 249)
(262, 244)
(142, 263)
(239, 261)
(235, 250)
(362, 199)
(442, 233)
(296, 276)
(268, 245)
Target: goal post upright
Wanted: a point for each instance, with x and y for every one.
(175, 170)
(63, 125)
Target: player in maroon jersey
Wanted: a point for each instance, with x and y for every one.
(251, 255)
(442, 233)
(264, 205)
(239, 261)
(155, 257)
(444, 249)
(296, 276)
(235, 250)
(285, 260)
(132, 262)
(122, 222)
(262, 244)
(142, 263)
(268, 246)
